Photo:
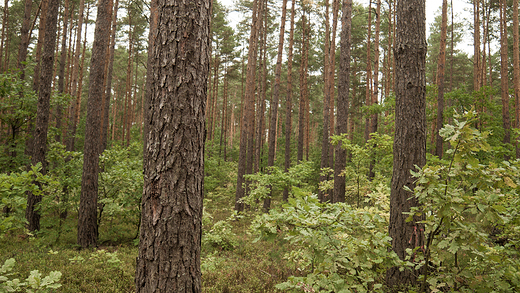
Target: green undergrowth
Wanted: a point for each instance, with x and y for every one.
(230, 261)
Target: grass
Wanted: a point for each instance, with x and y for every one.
(246, 267)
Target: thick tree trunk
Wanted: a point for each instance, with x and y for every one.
(87, 222)
(249, 98)
(42, 115)
(410, 133)
(343, 100)
(440, 79)
(288, 100)
(171, 225)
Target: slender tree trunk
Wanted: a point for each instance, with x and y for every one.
(375, 94)
(410, 133)
(288, 100)
(71, 133)
(332, 79)
(129, 77)
(343, 100)
(5, 31)
(504, 63)
(108, 91)
(368, 92)
(440, 79)
(24, 38)
(301, 114)
(249, 98)
(516, 72)
(260, 128)
(87, 222)
(61, 71)
(171, 225)
(476, 44)
(322, 194)
(42, 115)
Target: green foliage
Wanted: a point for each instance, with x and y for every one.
(33, 283)
(377, 152)
(17, 108)
(337, 247)
(13, 195)
(471, 216)
(121, 184)
(298, 180)
(220, 235)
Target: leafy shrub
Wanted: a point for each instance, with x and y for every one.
(13, 189)
(220, 236)
(337, 247)
(471, 212)
(33, 283)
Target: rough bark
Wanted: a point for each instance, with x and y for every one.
(288, 100)
(87, 222)
(440, 79)
(42, 114)
(171, 225)
(249, 98)
(410, 133)
(343, 100)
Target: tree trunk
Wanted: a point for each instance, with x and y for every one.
(516, 72)
(108, 91)
(332, 75)
(504, 63)
(440, 79)
(288, 100)
(324, 163)
(129, 77)
(61, 71)
(301, 114)
(476, 44)
(87, 222)
(343, 100)
(5, 24)
(24, 38)
(71, 132)
(262, 96)
(375, 94)
(410, 133)
(171, 225)
(368, 92)
(42, 115)
(249, 98)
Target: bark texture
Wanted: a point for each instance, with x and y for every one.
(343, 96)
(87, 222)
(170, 233)
(42, 115)
(410, 132)
(440, 79)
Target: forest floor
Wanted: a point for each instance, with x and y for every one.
(232, 263)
